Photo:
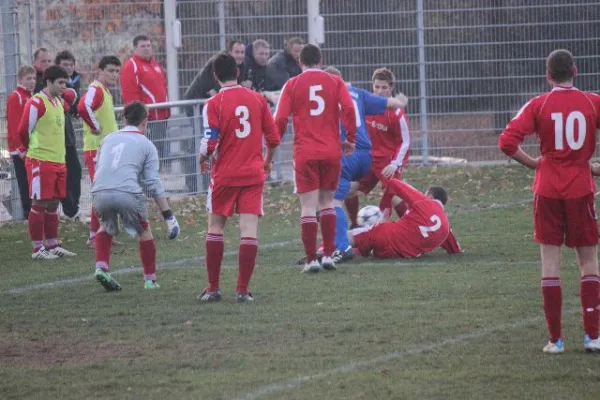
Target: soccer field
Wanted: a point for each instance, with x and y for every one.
(440, 327)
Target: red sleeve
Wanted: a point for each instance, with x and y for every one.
(89, 103)
(130, 86)
(14, 111)
(284, 109)
(269, 129)
(451, 245)
(406, 192)
(34, 110)
(523, 124)
(70, 95)
(348, 111)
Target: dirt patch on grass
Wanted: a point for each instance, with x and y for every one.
(51, 352)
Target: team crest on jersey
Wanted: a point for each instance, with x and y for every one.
(377, 125)
(58, 120)
(157, 68)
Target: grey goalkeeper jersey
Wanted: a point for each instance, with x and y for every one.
(127, 161)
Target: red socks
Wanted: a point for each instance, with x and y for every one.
(36, 220)
(94, 224)
(589, 290)
(247, 261)
(214, 258)
(148, 257)
(51, 228)
(103, 243)
(352, 208)
(309, 230)
(328, 224)
(552, 294)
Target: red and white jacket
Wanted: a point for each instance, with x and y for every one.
(145, 80)
(15, 106)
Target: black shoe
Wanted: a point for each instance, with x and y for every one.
(210, 297)
(343, 256)
(245, 297)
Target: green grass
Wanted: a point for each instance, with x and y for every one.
(75, 341)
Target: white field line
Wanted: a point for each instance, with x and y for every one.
(295, 383)
(184, 262)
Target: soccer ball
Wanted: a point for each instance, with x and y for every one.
(369, 216)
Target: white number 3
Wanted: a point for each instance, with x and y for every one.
(437, 224)
(243, 114)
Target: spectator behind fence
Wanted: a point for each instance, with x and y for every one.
(257, 56)
(144, 79)
(285, 64)
(15, 105)
(70, 204)
(205, 85)
(42, 59)
(66, 60)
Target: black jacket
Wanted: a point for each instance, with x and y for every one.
(259, 75)
(282, 66)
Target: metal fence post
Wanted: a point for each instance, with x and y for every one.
(221, 15)
(422, 84)
(9, 39)
(171, 26)
(28, 39)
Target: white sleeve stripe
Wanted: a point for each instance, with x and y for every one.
(280, 97)
(405, 142)
(89, 100)
(20, 98)
(33, 117)
(205, 114)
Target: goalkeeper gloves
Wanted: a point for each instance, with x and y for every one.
(172, 224)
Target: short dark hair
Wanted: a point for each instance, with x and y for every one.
(55, 72)
(109, 60)
(333, 71)
(140, 38)
(36, 53)
(293, 40)
(438, 193)
(232, 43)
(225, 68)
(135, 112)
(384, 74)
(560, 65)
(64, 55)
(310, 55)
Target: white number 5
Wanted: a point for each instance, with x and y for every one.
(243, 114)
(437, 224)
(313, 96)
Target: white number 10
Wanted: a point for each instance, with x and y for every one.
(569, 128)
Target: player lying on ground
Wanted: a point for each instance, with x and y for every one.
(317, 100)
(236, 120)
(390, 138)
(42, 133)
(96, 109)
(423, 228)
(565, 121)
(127, 166)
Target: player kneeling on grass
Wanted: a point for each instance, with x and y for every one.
(235, 120)
(423, 228)
(127, 165)
(565, 120)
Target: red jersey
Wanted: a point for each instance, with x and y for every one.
(235, 121)
(390, 136)
(565, 121)
(145, 80)
(314, 98)
(15, 106)
(423, 228)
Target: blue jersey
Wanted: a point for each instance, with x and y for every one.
(365, 103)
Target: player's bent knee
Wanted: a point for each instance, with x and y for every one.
(146, 235)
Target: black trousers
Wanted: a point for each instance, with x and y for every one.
(70, 204)
(21, 174)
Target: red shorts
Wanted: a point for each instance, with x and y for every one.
(374, 239)
(224, 200)
(90, 162)
(47, 179)
(311, 175)
(370, 180)
(569, 221)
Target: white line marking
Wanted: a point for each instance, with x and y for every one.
(295, 383)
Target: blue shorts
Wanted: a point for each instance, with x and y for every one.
(354, 167)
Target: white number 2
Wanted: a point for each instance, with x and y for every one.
(437, 224)
(313, 96)
(243, 114)
(117, 151)
(569, 127)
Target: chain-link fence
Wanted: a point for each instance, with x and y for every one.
(466, 65)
